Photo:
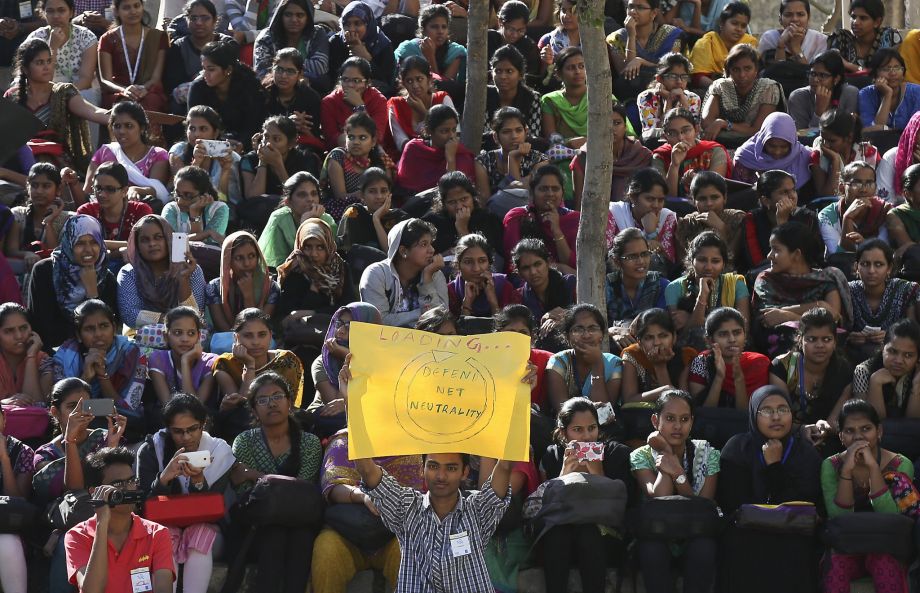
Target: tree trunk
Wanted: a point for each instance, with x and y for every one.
(591, 244)
(477, 76)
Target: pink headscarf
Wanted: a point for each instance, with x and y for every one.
(904, 158)
(777, 125)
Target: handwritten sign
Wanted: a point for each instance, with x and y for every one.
(418, 392)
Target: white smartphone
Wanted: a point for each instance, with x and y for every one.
(871, 329)
(216, 148)
(198, 458)
(179, 247)
(605, 414)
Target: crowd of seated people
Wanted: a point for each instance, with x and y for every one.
(215, 198)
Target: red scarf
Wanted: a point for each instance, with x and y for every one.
(403, 113)
(701, 147)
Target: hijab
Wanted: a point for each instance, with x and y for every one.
(907, 144)
(374, 39)
(158, 294)
(359, 311)
(754, 405)
(329, 278)
(230, 298)
(751, 154)
(66, 269)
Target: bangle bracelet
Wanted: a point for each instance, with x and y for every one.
(843, 477)
(559, 237)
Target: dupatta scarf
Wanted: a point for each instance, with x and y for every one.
(773, 289)
(158, 294)
(231, 300)
(907, 146)
(125, 364)
(359, 311)
(329, 278)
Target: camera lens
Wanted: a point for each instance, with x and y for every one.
(116, 498)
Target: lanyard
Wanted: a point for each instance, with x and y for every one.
(785, 454)
(132, 72)
(803, 400)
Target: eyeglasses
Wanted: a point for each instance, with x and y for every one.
(631, 257)
(672, 133)
(106, 189)
(347, 80)
(199, 18)
(892, 70)
(281, 71)
(340, 324)
(860, 184)
(186, 197)
(580, 330)
(770, 412)
(264, 400)
(819, 75)
(637, 7)
(128, 484)
(178, 432)
(675, 77)
(816, 339)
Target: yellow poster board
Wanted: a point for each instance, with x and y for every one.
(419, 392)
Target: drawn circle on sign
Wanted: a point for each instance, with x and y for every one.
(432, 387)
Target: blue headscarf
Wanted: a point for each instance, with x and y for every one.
(359, 311)
(66, 269)
(374, 40)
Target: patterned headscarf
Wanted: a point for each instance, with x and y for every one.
(904, 157)
(157, 294)
(66, 269)
(359, 311)
(231, 300)
(329, 278)
(374, 39)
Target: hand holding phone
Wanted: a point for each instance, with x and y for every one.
(589, 451)
(179, 248)
(216, 148)
(99, 407)
(199, 459)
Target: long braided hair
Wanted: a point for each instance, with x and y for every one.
(26, 53)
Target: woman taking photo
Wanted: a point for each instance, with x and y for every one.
(360, 36)
(244, 282)
(353, 94)
(164, 469)
(891, 101)
(685, 155)
(827, 89)
(75, 272)
(20, 357)
(643, 209)
(477, 291)
(202, 124)
(300, 201)
(183, 58)
(655, 364)
(889, 380)
(279, 446)
(293, 25)
(150, 283)
(115, 212)
(455, 212)
(407, 112)
(132, 57)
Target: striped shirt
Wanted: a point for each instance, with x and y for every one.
(427, 564)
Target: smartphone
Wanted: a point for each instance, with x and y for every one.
(179, 247)
(99, 407)
(605, 414)
(871, 329)
(199, 459)
(217, 148)
(589, 451)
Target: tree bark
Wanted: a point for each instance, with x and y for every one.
(477, 76)
(591, 244)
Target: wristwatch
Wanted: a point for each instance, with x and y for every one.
(680, 480)
(194, 219)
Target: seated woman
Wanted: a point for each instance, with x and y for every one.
(736, 106)
(75, 272)
(230, 88)
(565, 111)
(857, 480)
(59, 105)
(202, 124)
(341, 175)
(709, 191)
(112, 365)
(840, 144)
(509, 166)
(197, 209)
(126, 70)
(705, 286)
(859, 215)
(545, 291)
(891, 101)
(774, 146)
(425, 160)
(827, 89)
(889, 380)
(477, 291)
(360, 36)
(792, 285)
(20, 357)
(643, 209)
(113, 209)
(685, 155)
(638, 47)
(446, 58)
(327, 410)
(631, 287)
(815, 375)
(244, 282)
(866, 35)
(794, 41)
(455, 212)
(509, 89)
(147, 165)
(183, 368)
(584, 370)
(19, 461)
(668, 92)
(279, 446)
(362, 234)
(300, 201)
(711, 55)
(409, 281)
(655, 364)
(765, 466)
(565, 31)
(578, 422)
(518, 318)
(293, 25)
(407, 112)
(289, 94)
(353, 94)
(510, 28)
(163, 468)
(673, 464)
(274, 159)
(896, 160)
(903, 222)
(726, 374)
(38, 223)
(314, 278)
(150, 284)
(629, 155)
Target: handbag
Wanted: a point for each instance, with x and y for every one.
(871, 533)
(16, 514)
(358, 525)
(790, 518)
(578, 499)
(285, 501)
(904, 493)
(678, 517)
(182, 510)
(306, 331)
(71, 508)
(26, 422)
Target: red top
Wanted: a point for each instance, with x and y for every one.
(538, 394)
(334, 111)
(117, 231)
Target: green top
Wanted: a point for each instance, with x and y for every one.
(881, 504)
(277, 239)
